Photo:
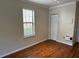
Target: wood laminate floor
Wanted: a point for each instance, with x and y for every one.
(48, 49)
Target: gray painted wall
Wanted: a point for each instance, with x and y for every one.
(11, 28)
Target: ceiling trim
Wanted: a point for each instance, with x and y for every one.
(61, 5)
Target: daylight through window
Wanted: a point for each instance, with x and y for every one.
(28, 23)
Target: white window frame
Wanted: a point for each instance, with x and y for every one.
(33, 24)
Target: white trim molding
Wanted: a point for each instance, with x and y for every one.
(61, 5)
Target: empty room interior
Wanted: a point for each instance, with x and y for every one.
(39, 29)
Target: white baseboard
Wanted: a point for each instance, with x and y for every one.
(22, 48)
(65, 42)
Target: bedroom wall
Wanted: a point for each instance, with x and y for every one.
(11, 28)
(66, 14)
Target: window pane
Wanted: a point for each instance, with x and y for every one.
(27, 29)
(30, 19)
(30, 13)
(24, 15)
(27, 14)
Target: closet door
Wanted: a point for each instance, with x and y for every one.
(54, 26)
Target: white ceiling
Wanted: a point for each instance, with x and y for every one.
(48, 3)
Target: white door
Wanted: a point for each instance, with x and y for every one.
(54, 26)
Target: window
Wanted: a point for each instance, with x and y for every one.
(28, 23)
